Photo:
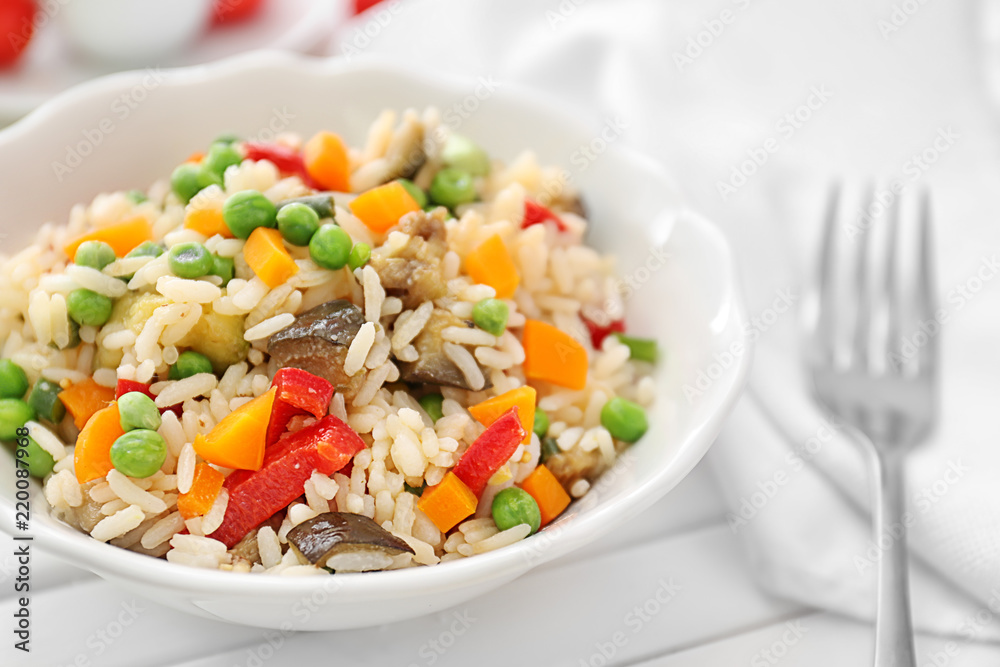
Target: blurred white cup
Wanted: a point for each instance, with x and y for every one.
(134, 32)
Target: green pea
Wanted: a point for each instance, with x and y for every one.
(189, 179)
(190, 363)
(191, 260)
(13, 380)
(549, 449)
(88, 308)
(415, 490)
(297, 223)
(136, 410)
(490, 315)
(452, 186)
(640, 349)
(227, 138)
(220, 157)
(431, 403)
(360, 254)
(541, 425)
(136, 196)
(514, 506)
(246, 211)
(465, 154)
(184, 181)
(45, 401)
(39, 461)
(624, 419)
(224, 267)
(330, 247)
(418, 195)
(95, 254)
(139, 453)
(14, 414)
(146, 249)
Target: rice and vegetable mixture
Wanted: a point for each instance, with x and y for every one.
(301, 357)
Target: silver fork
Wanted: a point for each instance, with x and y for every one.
(862, 376)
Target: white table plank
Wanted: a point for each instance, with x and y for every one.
(821, 640)
(95, 623)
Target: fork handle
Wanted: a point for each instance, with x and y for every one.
(893, 627)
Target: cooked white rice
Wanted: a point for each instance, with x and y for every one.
(561, 280)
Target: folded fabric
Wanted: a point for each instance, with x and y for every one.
(797, 484)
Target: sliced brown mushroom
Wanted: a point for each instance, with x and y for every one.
(573, 465)
(88, 513)
(247, 547)
(433, 366)
(346, 542)
(318, 341)
(414, 273)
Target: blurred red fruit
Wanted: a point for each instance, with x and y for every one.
(362, 5)
(233, 11)
(17, 25)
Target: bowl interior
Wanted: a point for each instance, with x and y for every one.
(127, 130)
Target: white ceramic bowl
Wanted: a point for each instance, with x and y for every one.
(133, 32)
(687, 296)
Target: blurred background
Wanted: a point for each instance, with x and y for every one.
(755, 107)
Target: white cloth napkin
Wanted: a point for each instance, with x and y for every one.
(807, 92)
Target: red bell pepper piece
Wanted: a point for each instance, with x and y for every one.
(303, 390)
(536, 214)
(281, 414)
(285, 159)
(128, 386)
(599, 332)
(490, 451)
(299, 392)
(256, 495)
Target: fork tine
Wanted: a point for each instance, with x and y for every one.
(895, 313)
(926, 302)
(823, 336)
(863, 287)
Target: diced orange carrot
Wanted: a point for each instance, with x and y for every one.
(381, 208)
(448, 502)
(492, 409)
(325, 157)
(122, 236)
(553, 355)
(551, 497)
(92, 454)
(85, 398)
(265, 253)
(490, 264)
(238, 440)
(196, 157)
(205, 487)
(207, 221)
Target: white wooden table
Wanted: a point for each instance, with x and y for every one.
(670, 589)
